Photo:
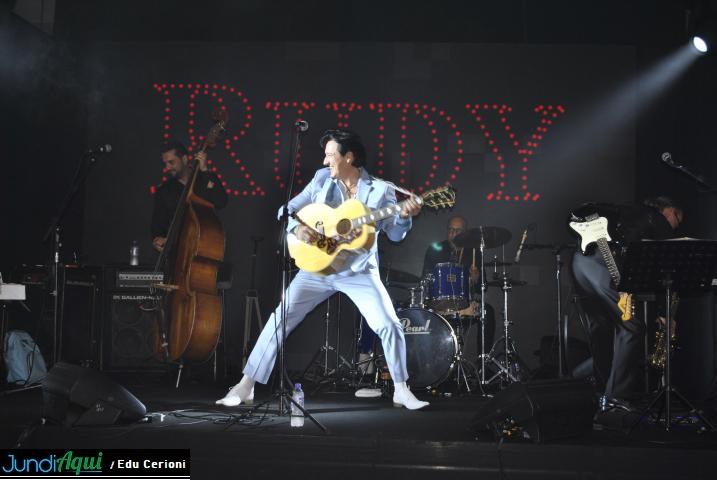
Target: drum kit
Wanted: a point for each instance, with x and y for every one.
(435, 317)
(439, 312)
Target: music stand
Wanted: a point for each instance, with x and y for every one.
(682, 266)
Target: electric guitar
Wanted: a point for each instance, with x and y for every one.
(348, 229)
(593, 229)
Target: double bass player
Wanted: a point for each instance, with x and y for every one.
(208, 186)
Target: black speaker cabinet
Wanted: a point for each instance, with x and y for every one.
(81, 315)
(129, 332)
(78, 336)
(546, 410)
(129, 329)
(74, 395)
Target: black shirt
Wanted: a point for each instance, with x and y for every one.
(630, 223)
(638, 222)
(441, 253)
(167, 197)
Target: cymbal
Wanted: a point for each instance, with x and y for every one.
(499, 283)
(393, 275)
(493, 237)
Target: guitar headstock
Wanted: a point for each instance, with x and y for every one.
(439, 198)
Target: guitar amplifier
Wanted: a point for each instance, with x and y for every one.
(137, 278)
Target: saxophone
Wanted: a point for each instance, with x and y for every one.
(659, 355)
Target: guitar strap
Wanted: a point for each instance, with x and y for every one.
(394, 186)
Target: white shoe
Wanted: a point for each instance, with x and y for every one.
(236, 396)
(368, 393)
(403, 397)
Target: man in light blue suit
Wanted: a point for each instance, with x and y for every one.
(343, 178)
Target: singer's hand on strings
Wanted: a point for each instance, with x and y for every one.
(411, 208)
(306, 234)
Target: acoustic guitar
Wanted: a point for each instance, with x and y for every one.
(348, 229)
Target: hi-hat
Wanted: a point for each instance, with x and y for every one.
(492, 236)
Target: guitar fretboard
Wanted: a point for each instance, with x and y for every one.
(609, 261)
(381, 213)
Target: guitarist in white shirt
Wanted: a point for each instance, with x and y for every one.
(343, 178)
(616, 344)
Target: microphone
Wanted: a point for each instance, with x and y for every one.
(301, 125)
(520, 247)
(106, 148)
(667, 158)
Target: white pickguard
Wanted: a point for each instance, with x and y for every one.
(591, 231)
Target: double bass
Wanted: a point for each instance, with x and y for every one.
(190, 314)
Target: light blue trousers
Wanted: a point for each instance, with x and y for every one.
(306, 291)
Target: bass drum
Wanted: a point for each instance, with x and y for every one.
(431, 347)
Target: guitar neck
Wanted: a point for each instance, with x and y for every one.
(609, 260)
(380, 213)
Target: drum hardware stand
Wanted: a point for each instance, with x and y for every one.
(325, 349)
(251, 302)
(507, 369)
(460, 361)
(483, 289)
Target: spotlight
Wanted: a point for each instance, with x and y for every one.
(700, 44)
(703, 30)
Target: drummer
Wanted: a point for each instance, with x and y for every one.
(448, 251)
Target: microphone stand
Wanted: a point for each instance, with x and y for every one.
(562, 328)
(697, 178)
(88, 160)
(285, 396)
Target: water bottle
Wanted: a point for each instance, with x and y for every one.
(134, 253)
(297, 416)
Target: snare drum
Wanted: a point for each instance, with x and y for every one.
(431, 347)
(450, 287)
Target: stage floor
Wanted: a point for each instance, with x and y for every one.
(365, 438)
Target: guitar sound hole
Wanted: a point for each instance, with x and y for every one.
(343, 227)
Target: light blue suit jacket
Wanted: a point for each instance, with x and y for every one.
(372, 192)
